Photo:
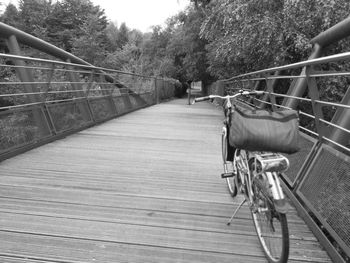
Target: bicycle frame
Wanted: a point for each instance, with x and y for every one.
(255, 175)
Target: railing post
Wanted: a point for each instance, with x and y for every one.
(48, 83)
(161, 91)
(220, 88)
(74, 81)
(77, 86)
(108, 95)
(316, 107)
(270, 87)
(189, 94)
(156, 91)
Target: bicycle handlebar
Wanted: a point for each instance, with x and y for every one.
(240, 93)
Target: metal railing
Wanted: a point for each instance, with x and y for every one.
(325, 129)
(318, 181)
(41, 99)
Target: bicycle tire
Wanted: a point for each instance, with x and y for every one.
(271, 226)
(230, 181)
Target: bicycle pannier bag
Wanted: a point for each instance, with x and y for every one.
(263, 130)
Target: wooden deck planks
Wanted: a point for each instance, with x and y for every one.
(141, 188)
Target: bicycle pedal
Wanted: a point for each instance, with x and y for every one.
(226, 175)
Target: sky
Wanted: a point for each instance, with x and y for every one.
(141, 14)
(137, 14)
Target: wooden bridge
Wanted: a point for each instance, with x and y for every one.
(144, 187)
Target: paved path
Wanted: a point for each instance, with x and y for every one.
(141, 188)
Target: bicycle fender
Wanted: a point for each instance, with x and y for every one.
(281, 205)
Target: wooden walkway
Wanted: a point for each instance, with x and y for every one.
(141, 188)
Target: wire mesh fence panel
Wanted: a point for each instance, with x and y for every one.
(102, 108)
(67, 116)
(121, 104)
(167, 90)
(326, 191)
(148, 97)
(21, 127)
(137, 101)
(299, 159)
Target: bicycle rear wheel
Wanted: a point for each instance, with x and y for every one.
(231, 184)
(271, 226)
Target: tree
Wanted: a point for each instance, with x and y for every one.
(112, 37)
(154, 50)
(68, 19)
(200, 3)
(128, 59)
(242, 35)
(187, 48)
(123, 35)
(33, 16)
(11, 16)
(135, 36)
(91, 45)
(306, 19)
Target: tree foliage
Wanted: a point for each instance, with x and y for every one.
(33, 16)
(90, 46)
(187, 48)
(11, 15)
(247, 35)
(69, 20)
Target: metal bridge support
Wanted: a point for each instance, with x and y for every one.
(342, 119)
(299, 88)
(270, 87)
(74, 79)
(39, 44)
(77, 86)
(342, 116)
(25, 75)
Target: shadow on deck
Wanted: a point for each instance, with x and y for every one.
(144, 187)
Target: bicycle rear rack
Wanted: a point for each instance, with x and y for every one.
(270, 162)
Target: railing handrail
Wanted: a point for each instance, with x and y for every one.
(308, 75)
(96, 84)
(311, 62)
(62, 63)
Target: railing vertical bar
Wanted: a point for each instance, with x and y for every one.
(48, 82)
(316, 107)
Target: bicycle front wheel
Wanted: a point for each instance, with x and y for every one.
(271, 226)
(232, 188)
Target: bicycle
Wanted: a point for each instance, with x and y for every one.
(255, 175)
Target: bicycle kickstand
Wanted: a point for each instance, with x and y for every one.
(235, 212)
